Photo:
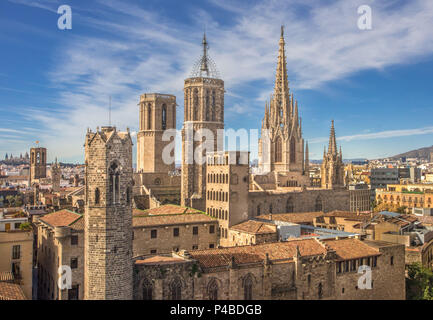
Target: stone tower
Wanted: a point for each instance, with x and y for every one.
(56, 175)
(282, 125)
(227, 189)
(38, 164)
(332, 170)
(157, 114)
(108, 215)
(203, 119)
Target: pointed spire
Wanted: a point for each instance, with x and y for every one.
(204, 66)
(332, 147)
(281, 90)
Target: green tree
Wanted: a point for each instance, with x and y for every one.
(419, 283)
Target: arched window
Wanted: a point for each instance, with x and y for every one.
(248, 288)
(206, 110)
(164, 117)
(176, 290)
(270, 208)
(149, 116)
(258, 210)
(278, 150)
(147, 290)
(213, 105)
(318, 205)
(292, 150)
(195, 105)
(128, 195)
(320, 291)
(290, 206)
(97, 196)
(212, 290)
(114, 175)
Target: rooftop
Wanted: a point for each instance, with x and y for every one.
(11, 291)
(255, 227)
(62, 218)
(172, 219)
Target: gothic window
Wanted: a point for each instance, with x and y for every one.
(292, 150)
(318, 205)
(147, 290)
(258, 210)
(248, 288)
(320, 291)
(213, 105)
(195, 105)
(128, 195)
(97, 196)
(114, 176)
(38, 157)
(270, 208)
(212, 290)
(206, 117)
(289, 205)
(176, 290)
(149, 116)
(164, 117)
(278, 150)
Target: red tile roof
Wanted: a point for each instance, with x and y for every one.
(11, 291)
(62, 218)
(159, 260)
(347, 249)
(257, 253)
(166, 210)
(300, 217)
(171, 219)
(255, 227)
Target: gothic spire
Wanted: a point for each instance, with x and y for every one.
(332, 147)
(281, 90)
(205, 66)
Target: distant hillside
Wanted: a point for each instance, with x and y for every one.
(422, 153)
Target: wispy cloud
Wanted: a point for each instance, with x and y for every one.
(139, 50)
(378, 135)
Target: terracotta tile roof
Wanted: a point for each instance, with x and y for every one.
(159, 260)
(351, 248)
(61, 218)
(301, 217)
(255, 254)
(255, 227)
(171, 219)
(426, 219)
(166, 210)
(11, 291)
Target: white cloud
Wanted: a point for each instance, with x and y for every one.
(378, 135)
(143, 51)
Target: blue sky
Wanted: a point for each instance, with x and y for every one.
(376, 84)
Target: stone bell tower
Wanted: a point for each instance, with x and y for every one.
(108, 215)
(203, 118)
(157, 114)
(38, 164)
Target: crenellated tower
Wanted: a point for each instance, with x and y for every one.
(108, 215)
(332, 170)
(203, 117)
(157, 114)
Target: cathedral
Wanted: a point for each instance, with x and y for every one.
(215, 197)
